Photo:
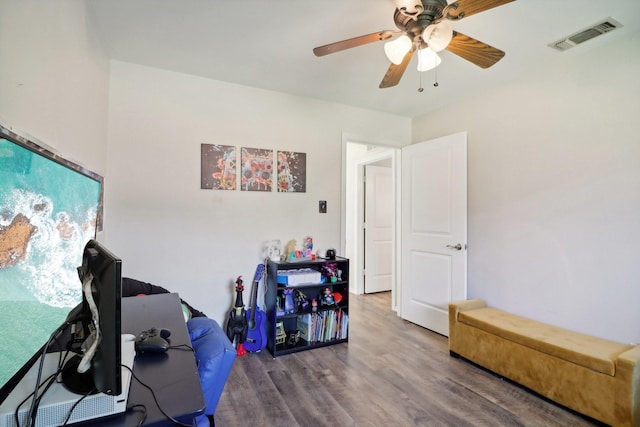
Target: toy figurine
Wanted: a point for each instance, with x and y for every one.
(330, 272)
(281, 335)
(314, 305)
(273, 250)
(237, 323)
(307, 247)
(294, 337)
(327, 297)
(302, 303)
(289, 306)
(289, 250)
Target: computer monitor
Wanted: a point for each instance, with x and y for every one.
(49, 209)
(98, 367)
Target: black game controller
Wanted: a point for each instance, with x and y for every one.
(153, 340)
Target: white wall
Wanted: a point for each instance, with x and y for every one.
(554, 191)
(54, 78)
(196, 242)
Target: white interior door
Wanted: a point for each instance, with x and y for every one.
(434, 230)
(378, 229)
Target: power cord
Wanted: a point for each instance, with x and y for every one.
(66, 420)
(144, 412)
(182, 347)
(48, 383)
(35, 402)
(155, 399)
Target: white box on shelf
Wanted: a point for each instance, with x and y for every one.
(299, 276)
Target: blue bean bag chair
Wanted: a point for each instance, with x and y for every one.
(215, 355)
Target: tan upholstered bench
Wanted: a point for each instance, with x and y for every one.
(594, 376)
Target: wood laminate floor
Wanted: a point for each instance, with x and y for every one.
(390, 373)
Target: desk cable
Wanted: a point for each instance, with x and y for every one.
(155, 399)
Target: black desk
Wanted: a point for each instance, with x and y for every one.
(173, 376)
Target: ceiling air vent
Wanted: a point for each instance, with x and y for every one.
(595, 30)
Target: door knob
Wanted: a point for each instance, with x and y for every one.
(457, 247)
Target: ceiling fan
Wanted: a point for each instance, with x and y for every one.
(425, 28)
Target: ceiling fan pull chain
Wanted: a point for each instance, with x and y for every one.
(420, 89)
(435, 73)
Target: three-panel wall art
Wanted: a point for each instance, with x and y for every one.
(220, 169)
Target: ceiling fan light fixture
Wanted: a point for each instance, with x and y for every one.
(438, 36)
(428, 59)
(397, 49)
(409, 6)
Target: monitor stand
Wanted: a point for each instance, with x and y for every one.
(58, 401)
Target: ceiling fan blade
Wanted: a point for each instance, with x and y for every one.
(394, 73)
(465, 8)
(354, 42)
(474, 51)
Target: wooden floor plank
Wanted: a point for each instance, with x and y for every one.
(390, 373)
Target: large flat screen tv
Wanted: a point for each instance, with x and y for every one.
(49, 209)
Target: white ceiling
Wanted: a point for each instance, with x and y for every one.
(268, 44)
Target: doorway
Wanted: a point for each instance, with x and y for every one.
(362, 159)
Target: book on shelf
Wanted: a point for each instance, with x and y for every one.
(323, 326)
(304, 326)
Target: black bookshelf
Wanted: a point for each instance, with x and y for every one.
(306, 327)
